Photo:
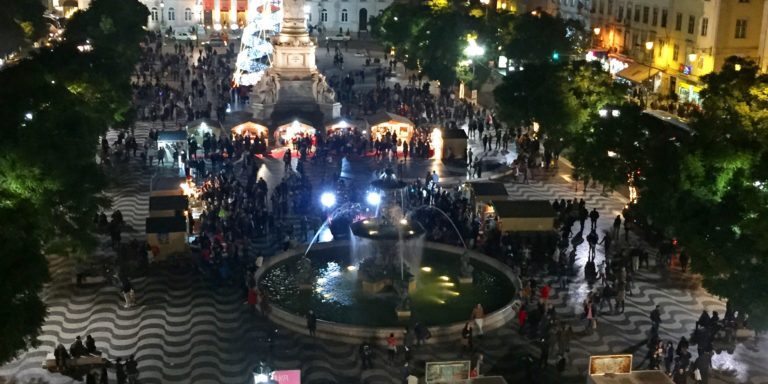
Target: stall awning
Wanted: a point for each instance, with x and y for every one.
(172, 136)
(293, 122)
(69, 3)
(253, 127)
(168, 203)
(523, 208)
(637, 73)
(488, 189)
(385, 117)
(166, 224)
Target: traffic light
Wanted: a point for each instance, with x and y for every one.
(555, 56)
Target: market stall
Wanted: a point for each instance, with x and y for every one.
(522, 215)
(252, 128)
(199, 128)
(453, 143)
(481, 194)
(288, 131)
(340, 126)
(166, 236)
(384, 122)
(168, 206)
(174, 142)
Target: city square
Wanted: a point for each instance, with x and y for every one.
(263, 203)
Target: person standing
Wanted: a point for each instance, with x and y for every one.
(132, 370)
(466, 338)
(478, 316)
(366, 355)
(120, 371)
(311, 322)
(522, 316)
(128, 294)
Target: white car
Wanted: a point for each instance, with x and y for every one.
(184, 36)
(338, 37)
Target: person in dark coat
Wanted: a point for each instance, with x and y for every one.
(90, 345)
(311, 322)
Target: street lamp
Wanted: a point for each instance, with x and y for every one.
(485, 3)
(162, 13)
(596, 38)
(473, 50)
(649, 51)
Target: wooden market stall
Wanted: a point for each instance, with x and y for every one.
(167, 236)
(288, 130)
(454, 144)
(385, 122)
(200, 127)
(481, 194)
(167, 186)
(523, 215)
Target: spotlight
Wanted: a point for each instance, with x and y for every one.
(426, 269)
(351, 268)
(404, 221)
(373, 198)
(328, 199)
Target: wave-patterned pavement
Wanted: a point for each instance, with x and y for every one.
(186, 330)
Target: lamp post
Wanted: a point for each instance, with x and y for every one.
(596, 39)
(473, 50)
(162, 14)
(486, 4)
(649, 52)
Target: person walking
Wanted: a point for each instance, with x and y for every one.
(593, 216)
(616, 226)
(478, 316)
(391, 348)
(655, 318)
(311, 322)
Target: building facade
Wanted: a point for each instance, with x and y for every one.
(672, 43)
(332, 15)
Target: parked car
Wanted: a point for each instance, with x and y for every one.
(184, 36)
(338, 37)
(216, 39)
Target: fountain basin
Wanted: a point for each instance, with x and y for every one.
(346, 314)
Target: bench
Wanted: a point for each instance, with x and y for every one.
(83, 362)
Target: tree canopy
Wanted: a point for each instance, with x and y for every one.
(56, 105)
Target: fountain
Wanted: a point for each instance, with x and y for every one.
(385, 276)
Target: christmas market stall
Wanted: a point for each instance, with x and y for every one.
(340, 126)
(288, 131)
(384, 122)
(201, 127)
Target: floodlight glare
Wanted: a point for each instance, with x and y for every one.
(328, 199)
(373, 198)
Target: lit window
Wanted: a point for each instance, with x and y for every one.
(741, 28)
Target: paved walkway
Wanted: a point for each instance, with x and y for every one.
(186, 330)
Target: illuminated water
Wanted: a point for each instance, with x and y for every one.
(335, 296)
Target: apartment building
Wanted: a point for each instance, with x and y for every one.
(667, 45)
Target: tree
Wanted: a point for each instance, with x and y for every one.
(56, 105)
(534, 38)
(724, 174)
(21, 24)
(560, 97)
